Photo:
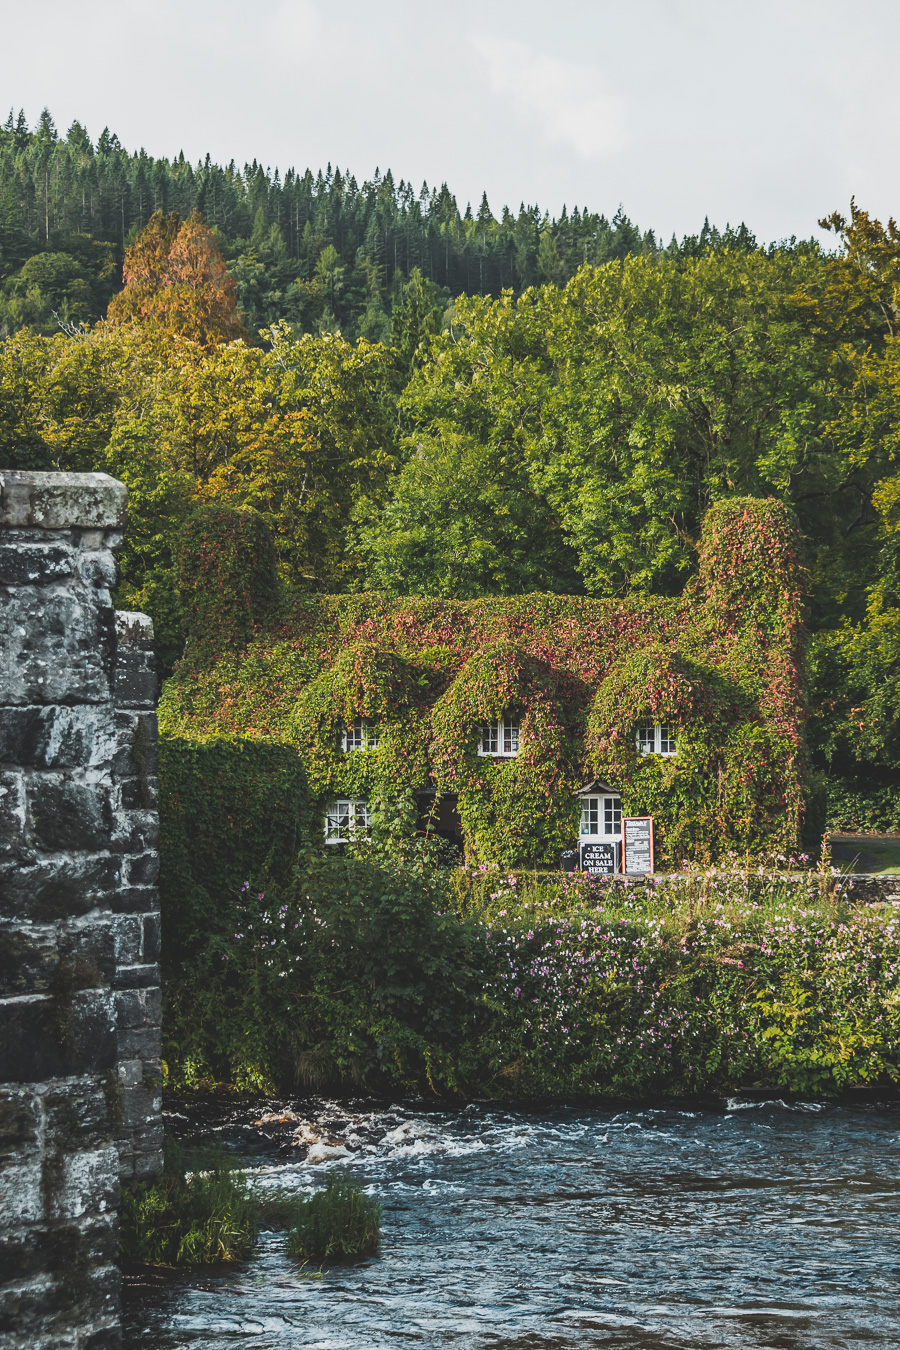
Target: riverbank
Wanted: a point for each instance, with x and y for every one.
(366, 974)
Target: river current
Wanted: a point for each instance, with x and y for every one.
(749, 1223)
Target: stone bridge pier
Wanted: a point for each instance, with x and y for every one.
(79, 912)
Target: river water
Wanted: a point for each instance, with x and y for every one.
(749, 1223)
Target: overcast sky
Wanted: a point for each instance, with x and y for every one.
(769, 111)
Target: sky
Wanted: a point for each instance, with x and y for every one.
(771, 112)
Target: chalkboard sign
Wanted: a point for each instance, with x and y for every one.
(637, 843)
(600, 859)
(568, 859)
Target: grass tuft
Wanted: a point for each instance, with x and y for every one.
(198, 1211)
(336, 1223)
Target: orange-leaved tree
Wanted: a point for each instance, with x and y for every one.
(176, 280)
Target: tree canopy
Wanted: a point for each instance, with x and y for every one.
(425, 401)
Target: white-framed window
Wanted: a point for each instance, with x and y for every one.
(601, 818)
(359, 735)
(500, 738)
(344, 819)
(656, 739)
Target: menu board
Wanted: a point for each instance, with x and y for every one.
(600, 859)
(637, 845)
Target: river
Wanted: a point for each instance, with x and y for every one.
(748, 1223)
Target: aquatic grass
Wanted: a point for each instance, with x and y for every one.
(336, 1224)
(199, 1211)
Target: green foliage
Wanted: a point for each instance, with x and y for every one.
(336, 1223)
(227, 576)
(354, 973)
(578, 675)
(319, 250)
(572, 440)
(228, 811)
(197, 1212)
(862, 805)
(520, 812)
(493, 983)
(201, 1211)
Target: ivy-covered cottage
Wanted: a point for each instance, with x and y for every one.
(523, 728)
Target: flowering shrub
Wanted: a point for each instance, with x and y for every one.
(485, 982)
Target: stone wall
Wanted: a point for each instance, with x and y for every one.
(79, 915)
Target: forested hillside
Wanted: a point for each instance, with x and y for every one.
(423, 401)
(319, 250)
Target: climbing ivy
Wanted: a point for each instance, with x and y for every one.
(722, 665)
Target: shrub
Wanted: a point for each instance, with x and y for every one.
(198, 1212)
(336, 1223)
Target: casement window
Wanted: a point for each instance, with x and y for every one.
(658, 739)
(359, 735)
(601, 818)
(346, 819)
(500, 737)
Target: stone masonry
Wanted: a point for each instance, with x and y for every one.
(79, 912)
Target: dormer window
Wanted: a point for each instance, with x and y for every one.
(501, 738)
(656, 739)
(345, 820)
(360, 735)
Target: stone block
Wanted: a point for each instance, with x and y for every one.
(135, 831)
(137, 977)
(138, 1008)
(61, 501)
(77, 1113)
(43, 1038)
(13, 817)
(21, 1193)
(142, 870)
(136, 900)
(33, 1253)
(88, 1183)
(97, 568)
(139, 794)
(30, 1048)
(56, 646)
(138, 1104)
(20, 1123)
(152, 937)
(138, 749)
(78, 1292)
(89, 1025)
(29, 955)
(142, 1043)
(128, 938)
(58, 737)
(59, 887)
(89, 948)
(69, 815)
(130, 1072)
(23, 564)
(136, 684)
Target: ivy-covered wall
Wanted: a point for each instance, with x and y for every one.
(722, 664)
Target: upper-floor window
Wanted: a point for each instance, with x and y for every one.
(601, 817)
(360, 735)
(658, 739)
(345, 819)
(500, 737)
